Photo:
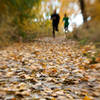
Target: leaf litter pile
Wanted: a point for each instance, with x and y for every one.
(49, 70)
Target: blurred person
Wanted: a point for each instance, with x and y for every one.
(55, 21)
(66, 22)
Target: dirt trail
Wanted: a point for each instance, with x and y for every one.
(48, 69)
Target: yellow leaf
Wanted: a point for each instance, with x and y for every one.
(53, 99)
(43, 65)
(81, 67)
(86, 98)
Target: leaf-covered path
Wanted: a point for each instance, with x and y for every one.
(48, 69)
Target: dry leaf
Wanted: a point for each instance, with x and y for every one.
(86, 98)
(98, 59)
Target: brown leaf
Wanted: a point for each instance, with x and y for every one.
(98, 59)
(93, 66)
(13, 99)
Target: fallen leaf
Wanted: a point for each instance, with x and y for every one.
(86, 98)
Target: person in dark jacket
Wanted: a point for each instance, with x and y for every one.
(55, 21)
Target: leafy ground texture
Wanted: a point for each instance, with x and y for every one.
(49, 69)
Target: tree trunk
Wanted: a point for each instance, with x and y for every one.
(83, 11)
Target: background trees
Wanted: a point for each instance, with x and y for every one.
(20, 18)
(13, 16)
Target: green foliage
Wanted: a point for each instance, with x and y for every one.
(22, 33)
(13, 15)
(83, 41)
(19, 9)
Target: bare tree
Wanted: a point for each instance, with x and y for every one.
(83, 10)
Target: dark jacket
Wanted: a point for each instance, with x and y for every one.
(55, 19)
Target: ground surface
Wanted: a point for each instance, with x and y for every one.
(48, 69)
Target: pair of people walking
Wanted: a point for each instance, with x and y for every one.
(55, 22)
